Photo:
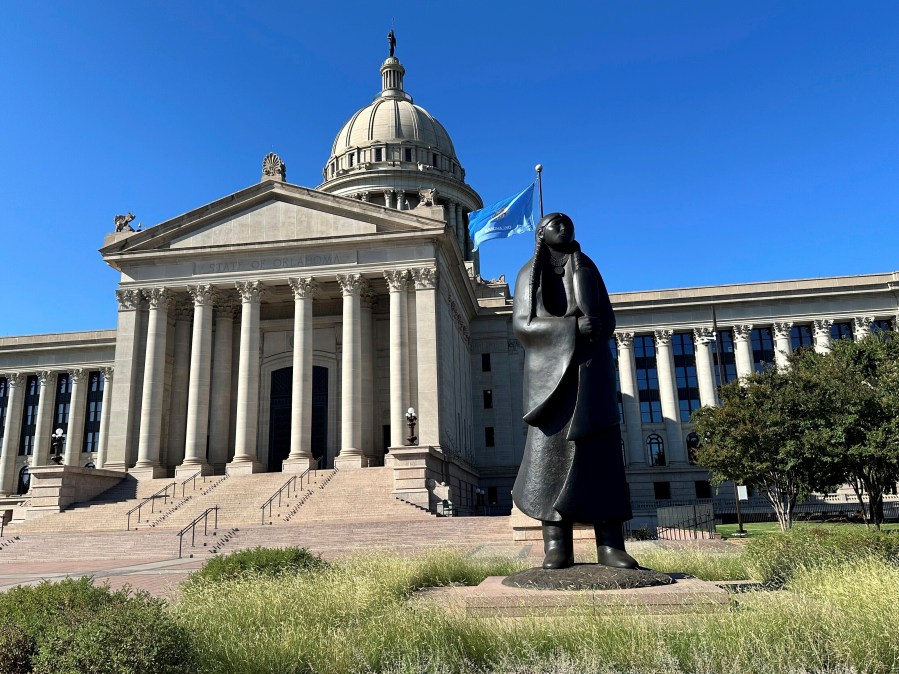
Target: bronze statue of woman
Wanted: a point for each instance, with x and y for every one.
(572, 470)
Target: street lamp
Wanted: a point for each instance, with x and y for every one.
(411, 418)
(56, 444)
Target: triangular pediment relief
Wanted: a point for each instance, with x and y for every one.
(270, 212)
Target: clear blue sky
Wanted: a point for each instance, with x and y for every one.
(693, 143)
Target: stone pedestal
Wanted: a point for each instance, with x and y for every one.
(350, 462)
(148, 472)
(186, 470)
(54, 488)
(243, 468)
(297, 465)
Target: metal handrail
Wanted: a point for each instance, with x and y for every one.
(193, 527)
(164, 492)
(192, 478)
(287, 485)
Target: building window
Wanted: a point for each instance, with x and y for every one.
(488, 436)
(379, 154)
(488, 399)
(4, 401)
(408, 153)
(63, 401)
(728, 359)
(492, 496)
(351, 159)
(434, 159)
(801, 337)
(647, 379)
(685, 374)
(95, 383)
(692, 442)
(29, 416)
(762, 348)
(485, 362)
(655, 447)
(703, 489)
(613, 347)
(841, 330)
(662, 491)
(882, 326)
(24, 481)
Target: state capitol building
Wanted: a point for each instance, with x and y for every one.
(283, 327)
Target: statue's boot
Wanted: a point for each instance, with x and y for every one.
(610, 546)
(558, 545)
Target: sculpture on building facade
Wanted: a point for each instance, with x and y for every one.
(391, 40)
(572, 470)
(123, 222)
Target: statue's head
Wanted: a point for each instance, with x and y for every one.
(555, 229)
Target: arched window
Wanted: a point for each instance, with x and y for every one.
(24, 481)
(655, 446)
(692, 440)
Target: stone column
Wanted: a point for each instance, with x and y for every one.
(245, 459)
(388, 198)
(220, 404)
(103, 440)
(397, 282)
(823, 336)
(121, 411)
(862, 326)
(630, 400)
(783, 344)
(743, 348)
(43, 426)
(351, 286)
(668, 395)
(300, 457)
(150, 437)
(368, 301)
(75, 432)
(705, 365)
(426, 349)
(197, 434)
(183, 310)
(12, 432)
(400, 199)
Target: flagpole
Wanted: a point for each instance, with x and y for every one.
(539, 169)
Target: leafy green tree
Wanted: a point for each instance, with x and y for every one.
(853, 393)
(759, 435)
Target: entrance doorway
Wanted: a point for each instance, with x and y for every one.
(279, 418)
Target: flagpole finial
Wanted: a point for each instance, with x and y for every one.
(538, 168)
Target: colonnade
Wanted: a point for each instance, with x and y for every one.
(703, 338)
(200, 377)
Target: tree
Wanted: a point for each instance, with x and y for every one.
(759, 435)
(853, 393)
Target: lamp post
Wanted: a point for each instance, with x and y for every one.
(56, 445)
(411, 418)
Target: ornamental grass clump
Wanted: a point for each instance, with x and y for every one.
(259, 561)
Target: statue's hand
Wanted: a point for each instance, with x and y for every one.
(587, 324)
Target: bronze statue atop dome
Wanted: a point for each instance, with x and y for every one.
(391, 40)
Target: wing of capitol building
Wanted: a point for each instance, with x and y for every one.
(287, 331)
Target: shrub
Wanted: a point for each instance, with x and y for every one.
(267, 562)
(16, 649)
(775, 558)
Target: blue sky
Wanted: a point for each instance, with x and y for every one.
(692, 142)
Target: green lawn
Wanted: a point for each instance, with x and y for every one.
(755, 529)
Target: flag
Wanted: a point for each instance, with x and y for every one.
(512, 215)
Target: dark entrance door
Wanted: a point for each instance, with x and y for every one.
(279, 418)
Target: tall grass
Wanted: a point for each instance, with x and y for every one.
(356, 617)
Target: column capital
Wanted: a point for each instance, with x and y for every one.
(15, 379)
(742, 331)
(863, 323)
(76, 375)
(782, 329)
(397, 279)
(227, 308)
(703, 335)
(202, 295)
(129, 299)
(369, 298)
(624, 340)
(663, 337)
(107, 372)
(157, 298)
(350, 284)
(44, 376)
(250, 291)
(303, 287)
(424, 277)
(823, 325)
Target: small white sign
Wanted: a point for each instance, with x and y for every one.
(742, 492)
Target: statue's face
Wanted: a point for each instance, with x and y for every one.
(558, 233)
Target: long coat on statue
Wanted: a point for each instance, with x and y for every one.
(572, 469)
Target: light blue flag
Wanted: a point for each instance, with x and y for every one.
(512, 215)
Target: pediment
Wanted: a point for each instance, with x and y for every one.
(270, 212)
